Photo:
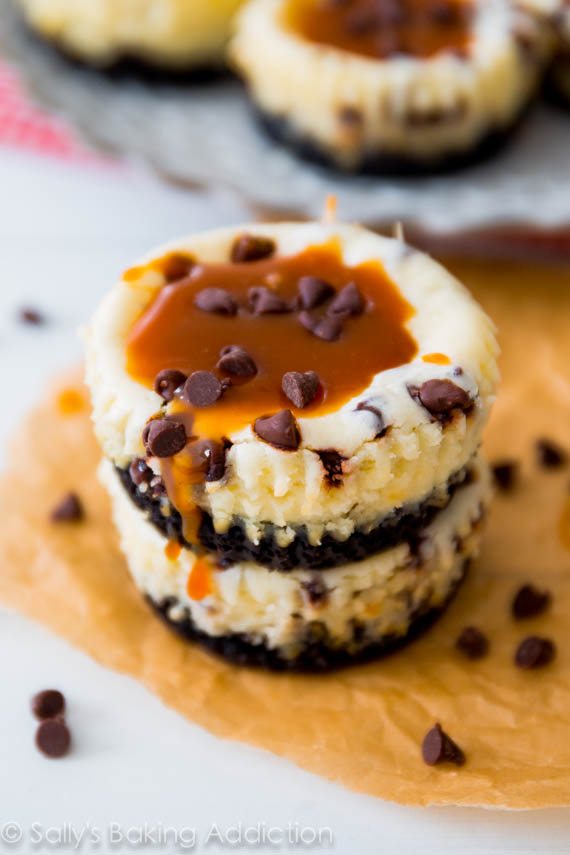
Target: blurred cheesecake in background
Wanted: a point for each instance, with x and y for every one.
(176, 35)
(559, 77)
(390, 85)
(291, 418)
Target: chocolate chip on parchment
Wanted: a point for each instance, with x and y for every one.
(535, 652)
(348, 301)
(48, 704)
(69, 509)
(164, 437)
(505, 474)
(202, 389)
(214, 456)
(313, 291)
(530, 602)
(441, 397)
(140, 473)
(251, 248)
(549, 454)
(32, 317)
(438, 747)
(53, 738)
(300, 387)
(329, 329)
(167, 382)
(377, 413)
(279, 430)
(216, 301)
(263, 301)
(236, 362)
(472, 643)
(177, 266)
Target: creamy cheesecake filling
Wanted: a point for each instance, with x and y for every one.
(381, 595)
(170, 33)
(393, 450)
(353, 108)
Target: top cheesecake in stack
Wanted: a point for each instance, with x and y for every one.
(291, 417)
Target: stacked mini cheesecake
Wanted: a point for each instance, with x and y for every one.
(291, 418)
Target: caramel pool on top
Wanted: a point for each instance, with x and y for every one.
(382, 28)
(174, 333)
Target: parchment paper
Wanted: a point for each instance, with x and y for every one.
(362, 727)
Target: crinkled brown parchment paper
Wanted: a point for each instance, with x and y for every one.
(362, 727)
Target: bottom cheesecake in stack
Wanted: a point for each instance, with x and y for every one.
(291, 418)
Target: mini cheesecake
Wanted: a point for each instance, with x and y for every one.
(386, 86)
(174, 35)
(291, 420)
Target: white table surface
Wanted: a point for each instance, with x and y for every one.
(65, 233)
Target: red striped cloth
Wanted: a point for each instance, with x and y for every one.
(25, 126)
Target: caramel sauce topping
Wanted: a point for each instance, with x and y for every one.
(381, 28)
(200, 583)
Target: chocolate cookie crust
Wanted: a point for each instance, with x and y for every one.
(315, 653)
(404, 525)
(281, 130)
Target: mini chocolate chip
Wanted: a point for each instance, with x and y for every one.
(350, 116)
(263, 301)
(157, 488)
(300, 387)
(381, 427)
(202, 389)
(48, 704)
(167, 382)
(53, 738)
(32, 317)
(530, 602)
(535, 652)
(69, 509)
(251, 248)
(550, 455)
(332, 464)
(217, 301)
(472, 643)
(236, 362)
(441, 397)
(313, 291)
(438, 747)
(329, 329)
(279, 430)
(348, 301)
(176, 266)
(505, 474)
(164, 437)
(214, 456)
(140, 473)
(315, 590)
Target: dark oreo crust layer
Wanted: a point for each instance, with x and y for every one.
(282, 131)
(315, 653)
(403, 526)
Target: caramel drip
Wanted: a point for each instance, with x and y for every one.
(379, 28)
(437, 358)
(71, 401)
(200, 583)
(172, 550)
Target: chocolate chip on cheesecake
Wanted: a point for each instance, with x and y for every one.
(235, 362)
(300, 387)
(438, 747)
(441, 398)
(202, 389)
(248, 247)
(164, 437)
(332, 464)
(216, 301)
(213, 454)
(177, 266)
(381, 426)
(313, 292)
(140, 472)
(327, 328)
(535, 652)
(68, 510)
(263, 301)
(348, 301)
(530, 602)
(279, 430)
(167, 382)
